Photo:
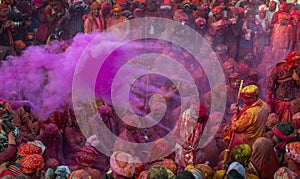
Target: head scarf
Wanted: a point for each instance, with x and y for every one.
(92, 141)
(105, 5)
(39, 144)
(264, 158)
(32, 163)
(241, 153)
(122, 164)
(285, 173)
(29, 149)
(168, 164)
(62, 172)
(157, 172)
(272, 120)
(237, 167)
(51, 130)
(52, 163)
(249, 91)
(50, 173)
(80, 174)
(293, 56)
(283, 15)
(285, 133)
(95, 6)
(185, 175)
(293, 151)
(207, 170)
(198, 173)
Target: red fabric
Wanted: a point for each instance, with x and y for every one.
(285, 139)
(6, 172)
(97, 25)
(3, 5)
(264, 158)
(32, 163)
(9, 154)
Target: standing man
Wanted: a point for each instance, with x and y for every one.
(187, 134)
(283, 88)
(248, 124)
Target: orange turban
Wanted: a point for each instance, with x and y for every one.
(32, 163)
(29, 149)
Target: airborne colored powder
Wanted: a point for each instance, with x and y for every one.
(43, 75)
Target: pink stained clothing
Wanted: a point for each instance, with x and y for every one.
(73, 141)
(53, 147)
(264, 158)
(93, 24)
(281, 41)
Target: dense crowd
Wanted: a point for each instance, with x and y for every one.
(257, 44)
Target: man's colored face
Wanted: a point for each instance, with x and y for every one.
(262, 14)
(272, 5)
(117, 14)
(96, 12)
(249, 100)
(283, 21)
(3, 12)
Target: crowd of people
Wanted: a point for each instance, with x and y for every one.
(257, 44)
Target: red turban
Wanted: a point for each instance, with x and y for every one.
(122, 164)
(105, 5)
(293, 56)
(32, 163)
(51, 130)
(29, 149)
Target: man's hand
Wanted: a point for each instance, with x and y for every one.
(295, 76)
(8, 24)
(234, 109)
(11, 138)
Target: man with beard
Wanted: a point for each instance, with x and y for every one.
(283, 88)
(94, 22)
(117, 20)
(281, 38)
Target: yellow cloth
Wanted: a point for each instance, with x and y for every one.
(249, 124)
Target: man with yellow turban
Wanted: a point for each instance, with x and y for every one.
(248, 124)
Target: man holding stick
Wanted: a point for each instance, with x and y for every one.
(248, 124)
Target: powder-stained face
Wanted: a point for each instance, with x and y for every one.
(262, 14)
(3, 12)
(272, 5)
(116, 14)
(96, 12)
(282, 21)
